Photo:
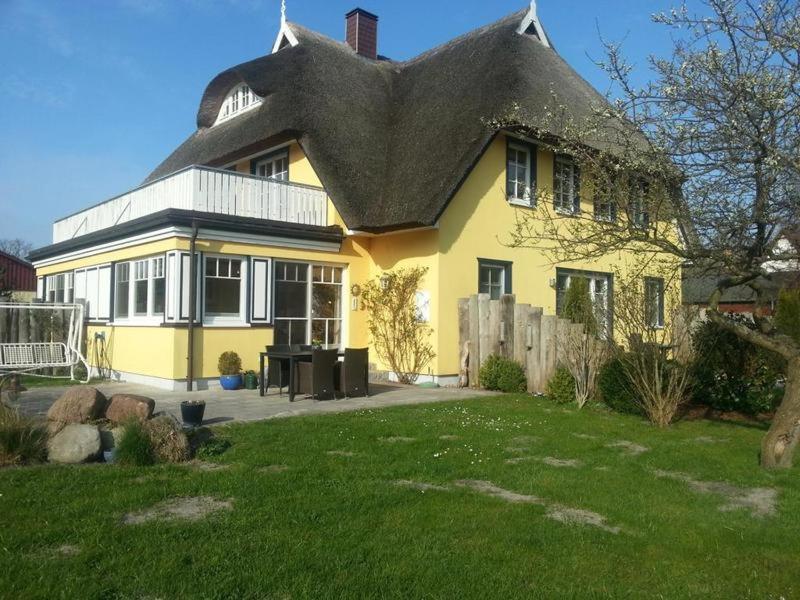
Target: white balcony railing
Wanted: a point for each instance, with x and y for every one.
(203, 189)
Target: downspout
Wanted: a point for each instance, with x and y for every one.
(192, 309)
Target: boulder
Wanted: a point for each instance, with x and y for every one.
(124, 407)
(79, 404)
(74, 444)
(109, 438)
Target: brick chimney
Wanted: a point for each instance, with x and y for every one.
(362, 32)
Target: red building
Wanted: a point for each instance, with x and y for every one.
(16, 275)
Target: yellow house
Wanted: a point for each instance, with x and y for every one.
(314, 169)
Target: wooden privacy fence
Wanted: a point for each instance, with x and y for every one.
(520, 332)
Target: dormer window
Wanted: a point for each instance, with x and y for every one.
(239, 100)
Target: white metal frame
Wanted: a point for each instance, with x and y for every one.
(29, 357)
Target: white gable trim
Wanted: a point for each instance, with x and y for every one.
(532, 18)
(287, 34)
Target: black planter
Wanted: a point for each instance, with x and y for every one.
(192, 413)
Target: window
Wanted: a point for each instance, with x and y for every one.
(223, 288)
(494, 278)
(637, 206)
(93, 291)
(140, 285)
(238, 100)
(308, 304)
(122, 290)
(654, 301)
(326, 305)
(599, 290)
(159, 286)
(291, 303)
(140, 288)
(519, 181)
(605, 209)
(275, 166)
(59, 288)
(566, 197)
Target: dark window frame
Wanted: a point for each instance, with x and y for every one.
(507, 267)
(660, 297)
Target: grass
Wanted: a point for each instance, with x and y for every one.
(30, 382)
(336, 526)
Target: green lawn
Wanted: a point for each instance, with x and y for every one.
(338, 525)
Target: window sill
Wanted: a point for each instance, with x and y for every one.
(521, 203)
(138, 322)
(226, 324)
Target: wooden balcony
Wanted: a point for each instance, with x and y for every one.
(203, 189)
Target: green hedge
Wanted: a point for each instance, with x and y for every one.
(503, 374)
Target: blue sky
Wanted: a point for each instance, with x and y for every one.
(95, 93)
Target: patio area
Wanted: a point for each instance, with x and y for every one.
(247, 405)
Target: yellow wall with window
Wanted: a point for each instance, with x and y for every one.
(478, 223)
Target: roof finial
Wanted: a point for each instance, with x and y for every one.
(283, 12)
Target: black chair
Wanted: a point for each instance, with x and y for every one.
(277, 369)
(316, 378)
(353, 373)
(301, 347)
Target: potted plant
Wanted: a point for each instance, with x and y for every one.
(316, 344)
(230, 371)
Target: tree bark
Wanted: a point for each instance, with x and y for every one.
(778, 446)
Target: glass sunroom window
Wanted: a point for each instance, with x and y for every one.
(308, 304)
(122, 290)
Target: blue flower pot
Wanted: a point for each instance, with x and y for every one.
(230, 382)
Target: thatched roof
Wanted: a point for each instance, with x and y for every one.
(390, 141)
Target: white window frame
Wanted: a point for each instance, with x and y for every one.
(234, 103)
(92, 294)
(565, 201)
(659, 297)
(593, 279)
(271, 159)
(147, 265)
(309, 318)
(327, 320)
(59, 282)
(226, 320)
(527, 199)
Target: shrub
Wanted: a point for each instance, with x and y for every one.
(616, 389)
(167, 439)
(213, 447)
(578, 306)
(787, 316)
(135, 447)
(229, 363)
(503, 374)
(561, 387)
(22, 440)
(730, 373)
(397, 324)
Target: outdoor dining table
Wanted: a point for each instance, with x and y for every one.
(293, 357)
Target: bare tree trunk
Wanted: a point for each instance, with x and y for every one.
(778, 446)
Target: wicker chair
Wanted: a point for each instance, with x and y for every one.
(277, 370)
(316, 378)
(353, 373)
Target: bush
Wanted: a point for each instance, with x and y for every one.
(616, 389)
(731, 374)
(213, 447)
(503, 374)
(578, 306)
(787, 316)
(561, 387)
(167, 439)
(229, 363)
(135, 447)
(22, 441)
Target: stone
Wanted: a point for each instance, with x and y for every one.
(124, 407)
(109, 438)
(79, 404)
(75, 443)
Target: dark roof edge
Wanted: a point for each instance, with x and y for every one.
(16, 259)
(178, 217)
